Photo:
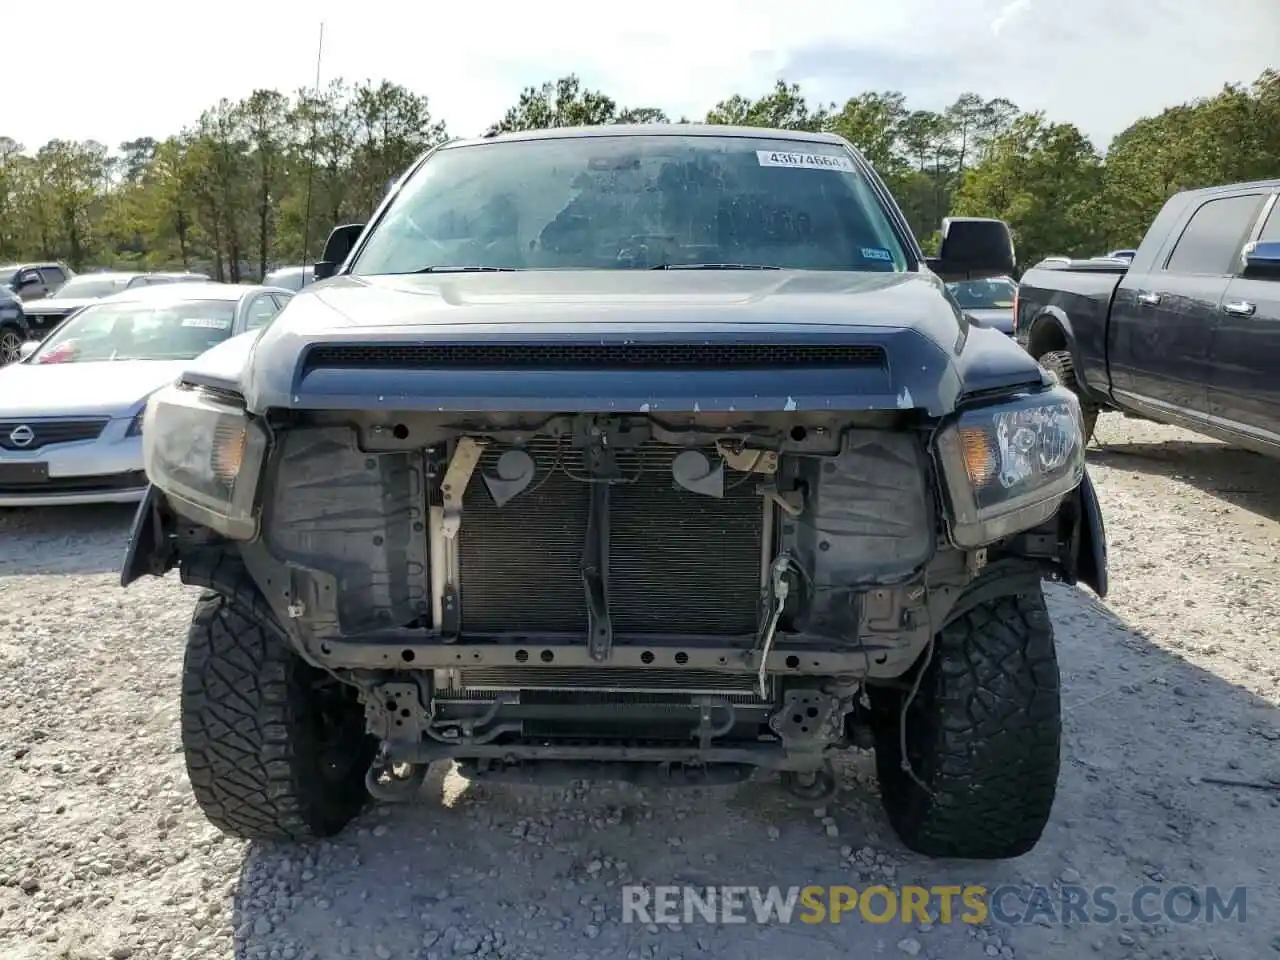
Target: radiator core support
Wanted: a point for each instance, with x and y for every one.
(603, 542)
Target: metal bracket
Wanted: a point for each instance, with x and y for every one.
(808, 719)
(399, 712)
(976, 560)
(790, 502)
(595, 574)
(746, 460)
(461, 465)
(457, 476)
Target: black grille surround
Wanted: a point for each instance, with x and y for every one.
(594, 356)
(679, 562)
(107, 483)
(49, 432)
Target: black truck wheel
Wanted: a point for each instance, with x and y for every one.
(275, 749)
(983, 736)
(1060, 364)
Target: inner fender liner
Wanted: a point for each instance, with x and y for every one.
(868, 519)
(356, 522)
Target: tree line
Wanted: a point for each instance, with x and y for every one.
(259, 182)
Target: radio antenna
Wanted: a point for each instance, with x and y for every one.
(311, 155)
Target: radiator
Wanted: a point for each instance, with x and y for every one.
(680, 562)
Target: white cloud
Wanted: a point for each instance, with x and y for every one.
(1010, 11)
(136, 68)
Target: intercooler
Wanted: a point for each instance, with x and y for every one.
(678, 562)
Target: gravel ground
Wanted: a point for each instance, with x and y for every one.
(1173, 681)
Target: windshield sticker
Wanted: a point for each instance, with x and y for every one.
(877, 253)
(207, 323)
(804, 161)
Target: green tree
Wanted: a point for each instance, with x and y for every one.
(566, 103)
(784, 107)
(1042, 179)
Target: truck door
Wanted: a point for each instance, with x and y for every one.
(1244, 387)
(1162, 320)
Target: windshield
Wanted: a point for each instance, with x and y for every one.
(136, 331)
(983, 294)
(635, 202)
(90, 288)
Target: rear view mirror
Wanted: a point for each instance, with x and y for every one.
(337, 248)
(1262, 260)
(973, 248)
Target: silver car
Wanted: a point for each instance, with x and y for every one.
(71, 408)
(988, 303)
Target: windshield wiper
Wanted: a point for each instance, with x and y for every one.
(715, 266)
(466, 269)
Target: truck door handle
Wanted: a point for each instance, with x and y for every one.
(1150, 299)
(1239, 308)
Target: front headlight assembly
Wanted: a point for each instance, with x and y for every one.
(1008, 466)
(205, 455)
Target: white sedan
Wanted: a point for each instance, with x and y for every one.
(71, 408)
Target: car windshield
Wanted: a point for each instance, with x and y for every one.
(180, 330)
(983, 294)
(90, 288)
(636, 202)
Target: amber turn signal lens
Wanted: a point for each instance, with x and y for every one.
(980, 460)
(228, 451)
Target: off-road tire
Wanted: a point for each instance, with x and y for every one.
(983, 734)
(10, 341)
(257, 757)
(1060, 364)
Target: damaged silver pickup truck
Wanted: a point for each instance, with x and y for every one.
(656, 453)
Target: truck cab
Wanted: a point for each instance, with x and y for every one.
(1188, 333)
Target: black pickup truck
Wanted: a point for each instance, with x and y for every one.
(1188, 333)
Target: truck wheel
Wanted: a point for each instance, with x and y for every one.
(983, 735)
(1059, 363)
(275, 749)
(10, 345)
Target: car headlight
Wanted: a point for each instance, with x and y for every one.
(135, 425)
(1008, 466)
(205, 455)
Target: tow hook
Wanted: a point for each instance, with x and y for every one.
(401, 784)
(811, 785)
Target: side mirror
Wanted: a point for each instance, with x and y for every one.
(1262, 260)
(27, 349)
(30, 280)
(337, 248)
(973, 248)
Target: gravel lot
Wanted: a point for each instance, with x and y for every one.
(1176, 678)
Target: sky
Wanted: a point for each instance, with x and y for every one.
(114, 72)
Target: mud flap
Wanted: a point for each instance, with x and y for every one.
(146, 553)
(1091, 553)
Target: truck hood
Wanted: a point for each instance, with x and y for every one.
(932, 355)
(115, 388)
(51, 305)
